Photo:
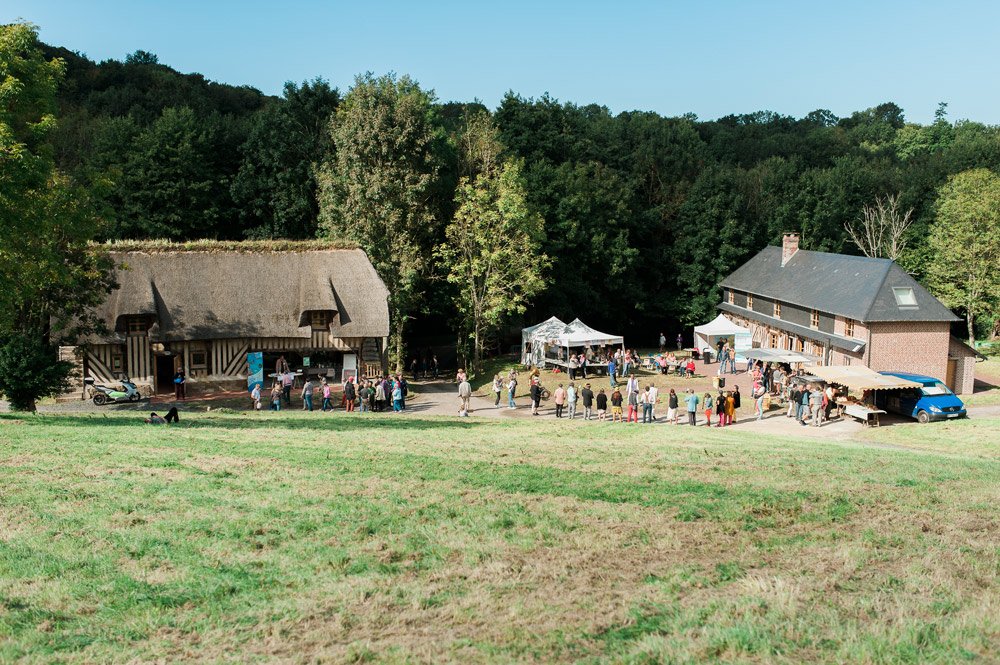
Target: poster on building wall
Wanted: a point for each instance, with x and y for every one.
(743, 342)
(255, 370)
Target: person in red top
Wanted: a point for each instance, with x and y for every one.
(690, 367)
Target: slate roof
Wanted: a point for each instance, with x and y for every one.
(856, 287)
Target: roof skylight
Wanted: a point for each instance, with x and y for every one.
(904, 296)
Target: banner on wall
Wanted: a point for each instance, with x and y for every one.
(744, 342)
(255, 370)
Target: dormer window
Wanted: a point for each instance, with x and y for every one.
(849, 327)
(777, 309)
(904, 296)
(732, 297)
(136, 325)
(749, 301)
(319, 320)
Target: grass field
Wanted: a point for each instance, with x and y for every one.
(299, 538)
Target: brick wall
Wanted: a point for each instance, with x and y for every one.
(920, 347)
(963, 382)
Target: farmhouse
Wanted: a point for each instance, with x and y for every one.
(847, 310)
(203, 308)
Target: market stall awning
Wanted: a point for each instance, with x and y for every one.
(859, 377)
(781, 356)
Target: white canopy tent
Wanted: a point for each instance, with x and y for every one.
(705, 336)
(782, 356)
(534, 339)
(538, 339)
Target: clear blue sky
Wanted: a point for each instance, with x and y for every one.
(709, 58)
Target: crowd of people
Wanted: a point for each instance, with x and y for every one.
(385, 393)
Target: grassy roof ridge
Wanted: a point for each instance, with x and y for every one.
(206, 245)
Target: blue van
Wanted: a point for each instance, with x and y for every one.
(932, 401)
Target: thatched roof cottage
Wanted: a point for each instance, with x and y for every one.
(204, 306)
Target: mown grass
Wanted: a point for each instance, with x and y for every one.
(297, 537)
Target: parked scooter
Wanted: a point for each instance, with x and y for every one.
(103, 394)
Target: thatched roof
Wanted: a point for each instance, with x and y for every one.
(222, 293)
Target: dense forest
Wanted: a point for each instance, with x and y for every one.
(641, 215)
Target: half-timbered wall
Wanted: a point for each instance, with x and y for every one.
(99, 362)
(229, 357)
(138, 359)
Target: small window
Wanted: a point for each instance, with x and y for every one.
(774, 340)
(777, 309)
(847, 360)
(117, 362)
(814, 319)
(817, 350)
(849, 327)
(799, 346)
(749, 301)
(732, 297)
(319, 320)
(198, 359)
(136, 324)
(904, 296)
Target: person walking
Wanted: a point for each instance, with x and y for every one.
(672, 404)
(583, 366)
(287, 381)
(633, 384)
(307, 395)
(654, 397)
(436, 366)
(720, 409)
(276, 396)
(633, 407)
(730, 408)
(723, 360)
(680, 341)
(758, 394)
(560, 399)
(602, 406)
(794, 397)
(708, 405)
(647, 407)
(616, 406)
(536, 396)
(464, 395)
(497, 388)
(511, 389)
(816, 405)
(587, 397)
(397, 396)
(350, 393)
(692, 402)
(611, 371)
(571, 398)
(737, 401)
(255, 397)
(379, 396)
(180, 384)
(663, 342)
(802, 410)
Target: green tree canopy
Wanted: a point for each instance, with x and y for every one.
(378, 188)
(49, 276)
(965, 245)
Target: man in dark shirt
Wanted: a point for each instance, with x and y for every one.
(536, 396)
(587, 395)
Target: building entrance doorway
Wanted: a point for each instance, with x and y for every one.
(165, 370)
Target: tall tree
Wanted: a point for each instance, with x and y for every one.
(965, 244)
(275, 189)
(492, 250)
(881, 230)
(378, 188)
(49, 275)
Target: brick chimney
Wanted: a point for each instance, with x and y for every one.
(789, 245)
